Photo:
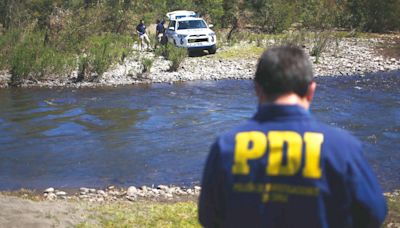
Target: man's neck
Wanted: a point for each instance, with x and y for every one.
(289, 99)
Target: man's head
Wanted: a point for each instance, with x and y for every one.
(284, 75)
(142, 22)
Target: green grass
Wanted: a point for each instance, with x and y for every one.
(394, 210)
(180, 214)
(239, 52)
(143, 214)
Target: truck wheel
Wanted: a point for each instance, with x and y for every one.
(212, 50)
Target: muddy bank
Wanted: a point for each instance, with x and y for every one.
(348, 56)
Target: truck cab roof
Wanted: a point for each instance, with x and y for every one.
(178, 14)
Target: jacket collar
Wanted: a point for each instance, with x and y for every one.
(273, 112)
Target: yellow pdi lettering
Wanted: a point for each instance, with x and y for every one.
(313, 142)
(249, 146)
(294, 142)
(252, 146)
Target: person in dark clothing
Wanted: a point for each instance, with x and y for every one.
(283, 168)
(144, 38)
(160, 29)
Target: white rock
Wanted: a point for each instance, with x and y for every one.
(168, 196)
(49, 190)
(51, 196)
(162, 187)
(61, 193)
(131, 198)
(132, 190)
(101, 192)
(144, 188)
(85, 190)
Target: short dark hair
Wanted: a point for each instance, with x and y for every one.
(282, 70)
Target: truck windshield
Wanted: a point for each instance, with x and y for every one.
(195, 24)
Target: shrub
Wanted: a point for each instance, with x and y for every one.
(320, 43)
(174, 54)
(294, 38)
(147, 64)
(31, 58)
(7, 42)
(102, 51)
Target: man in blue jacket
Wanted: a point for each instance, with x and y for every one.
(283, 168)
(143, 37)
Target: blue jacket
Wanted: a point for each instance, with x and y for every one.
(283, 168)
(141, 28)
(160, 28)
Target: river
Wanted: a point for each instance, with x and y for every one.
(161, 133)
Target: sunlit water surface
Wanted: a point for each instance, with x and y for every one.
(161, 133)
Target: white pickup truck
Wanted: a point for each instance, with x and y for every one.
(187, 30)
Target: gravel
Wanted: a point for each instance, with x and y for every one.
(132, 193)
(349, 56)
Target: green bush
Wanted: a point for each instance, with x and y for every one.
(147, 64)
(31, 58)
(321, 41)
(102, 51)
(175, 54)
(296, 38)
(7, 42)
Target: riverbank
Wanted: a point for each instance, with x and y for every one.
(342, 57)
(31, 209)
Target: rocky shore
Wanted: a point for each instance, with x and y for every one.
(158, 193)
(349, 56)
(132, 193)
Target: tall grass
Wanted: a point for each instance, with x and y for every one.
(175, 54)
(29, 57)
(321, 41)
(147, 63)
(104, 50)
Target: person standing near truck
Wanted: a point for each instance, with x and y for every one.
(160, 30)
(144, 38)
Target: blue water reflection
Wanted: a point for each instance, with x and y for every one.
(160, 134)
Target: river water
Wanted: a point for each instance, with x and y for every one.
(161, 133)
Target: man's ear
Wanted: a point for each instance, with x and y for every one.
(311, 91)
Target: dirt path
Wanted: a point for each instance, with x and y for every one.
(17, 212)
